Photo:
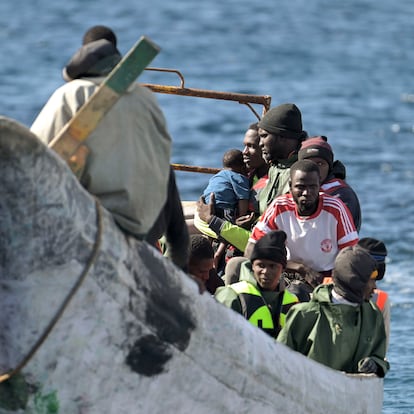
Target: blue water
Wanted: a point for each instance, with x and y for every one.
(346, 65)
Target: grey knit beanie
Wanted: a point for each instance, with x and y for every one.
(352, 271)
(283, 118)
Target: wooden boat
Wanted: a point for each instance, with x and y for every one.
(94, 321)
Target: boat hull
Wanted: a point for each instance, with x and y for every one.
(137, 337)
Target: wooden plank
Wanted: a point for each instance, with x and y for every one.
(77, 130)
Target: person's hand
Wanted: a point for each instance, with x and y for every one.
(206, 211)
(312, 277)
(367, 366)
(245, 221)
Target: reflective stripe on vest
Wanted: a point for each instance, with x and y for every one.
(255, 309)
(379, 297)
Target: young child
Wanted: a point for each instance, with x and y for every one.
(201, 262)
(231, 189)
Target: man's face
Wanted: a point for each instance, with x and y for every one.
(271, 146)
(304, 187)
(252, 153)
(323, 167)
(267, 273)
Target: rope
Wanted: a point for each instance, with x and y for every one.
(65, 303)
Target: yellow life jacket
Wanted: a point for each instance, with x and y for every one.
(256, 310)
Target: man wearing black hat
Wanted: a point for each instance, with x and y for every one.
(129, 165)
(281, 134)
(260, 295)
(338, 327)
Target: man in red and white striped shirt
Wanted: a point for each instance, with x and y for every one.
(317, 225)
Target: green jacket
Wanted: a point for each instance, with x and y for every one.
(278, 182)
(264, 309)
(336, 335)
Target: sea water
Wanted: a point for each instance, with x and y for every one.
(347, 65)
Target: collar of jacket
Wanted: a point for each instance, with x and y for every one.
(287, 162)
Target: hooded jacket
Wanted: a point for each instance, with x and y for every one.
(340, 188)
(336, 335)
(278, 182)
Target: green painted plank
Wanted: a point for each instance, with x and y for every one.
(133, 64)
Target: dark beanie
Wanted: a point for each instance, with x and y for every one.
(283, 118)
(316, 147)
(97, 33)
(378, 251)
(96, 58)
(352, 271)
(271, 246)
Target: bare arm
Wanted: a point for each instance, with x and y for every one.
(243, 207)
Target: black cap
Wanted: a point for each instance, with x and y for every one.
(285, 118)
(378, 251)
(271, 246)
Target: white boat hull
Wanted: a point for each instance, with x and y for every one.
(137, 336)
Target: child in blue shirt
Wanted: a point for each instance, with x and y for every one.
(231, 189)
(230, 186)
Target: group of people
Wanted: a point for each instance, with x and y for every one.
(280, 209)
(303, 276)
